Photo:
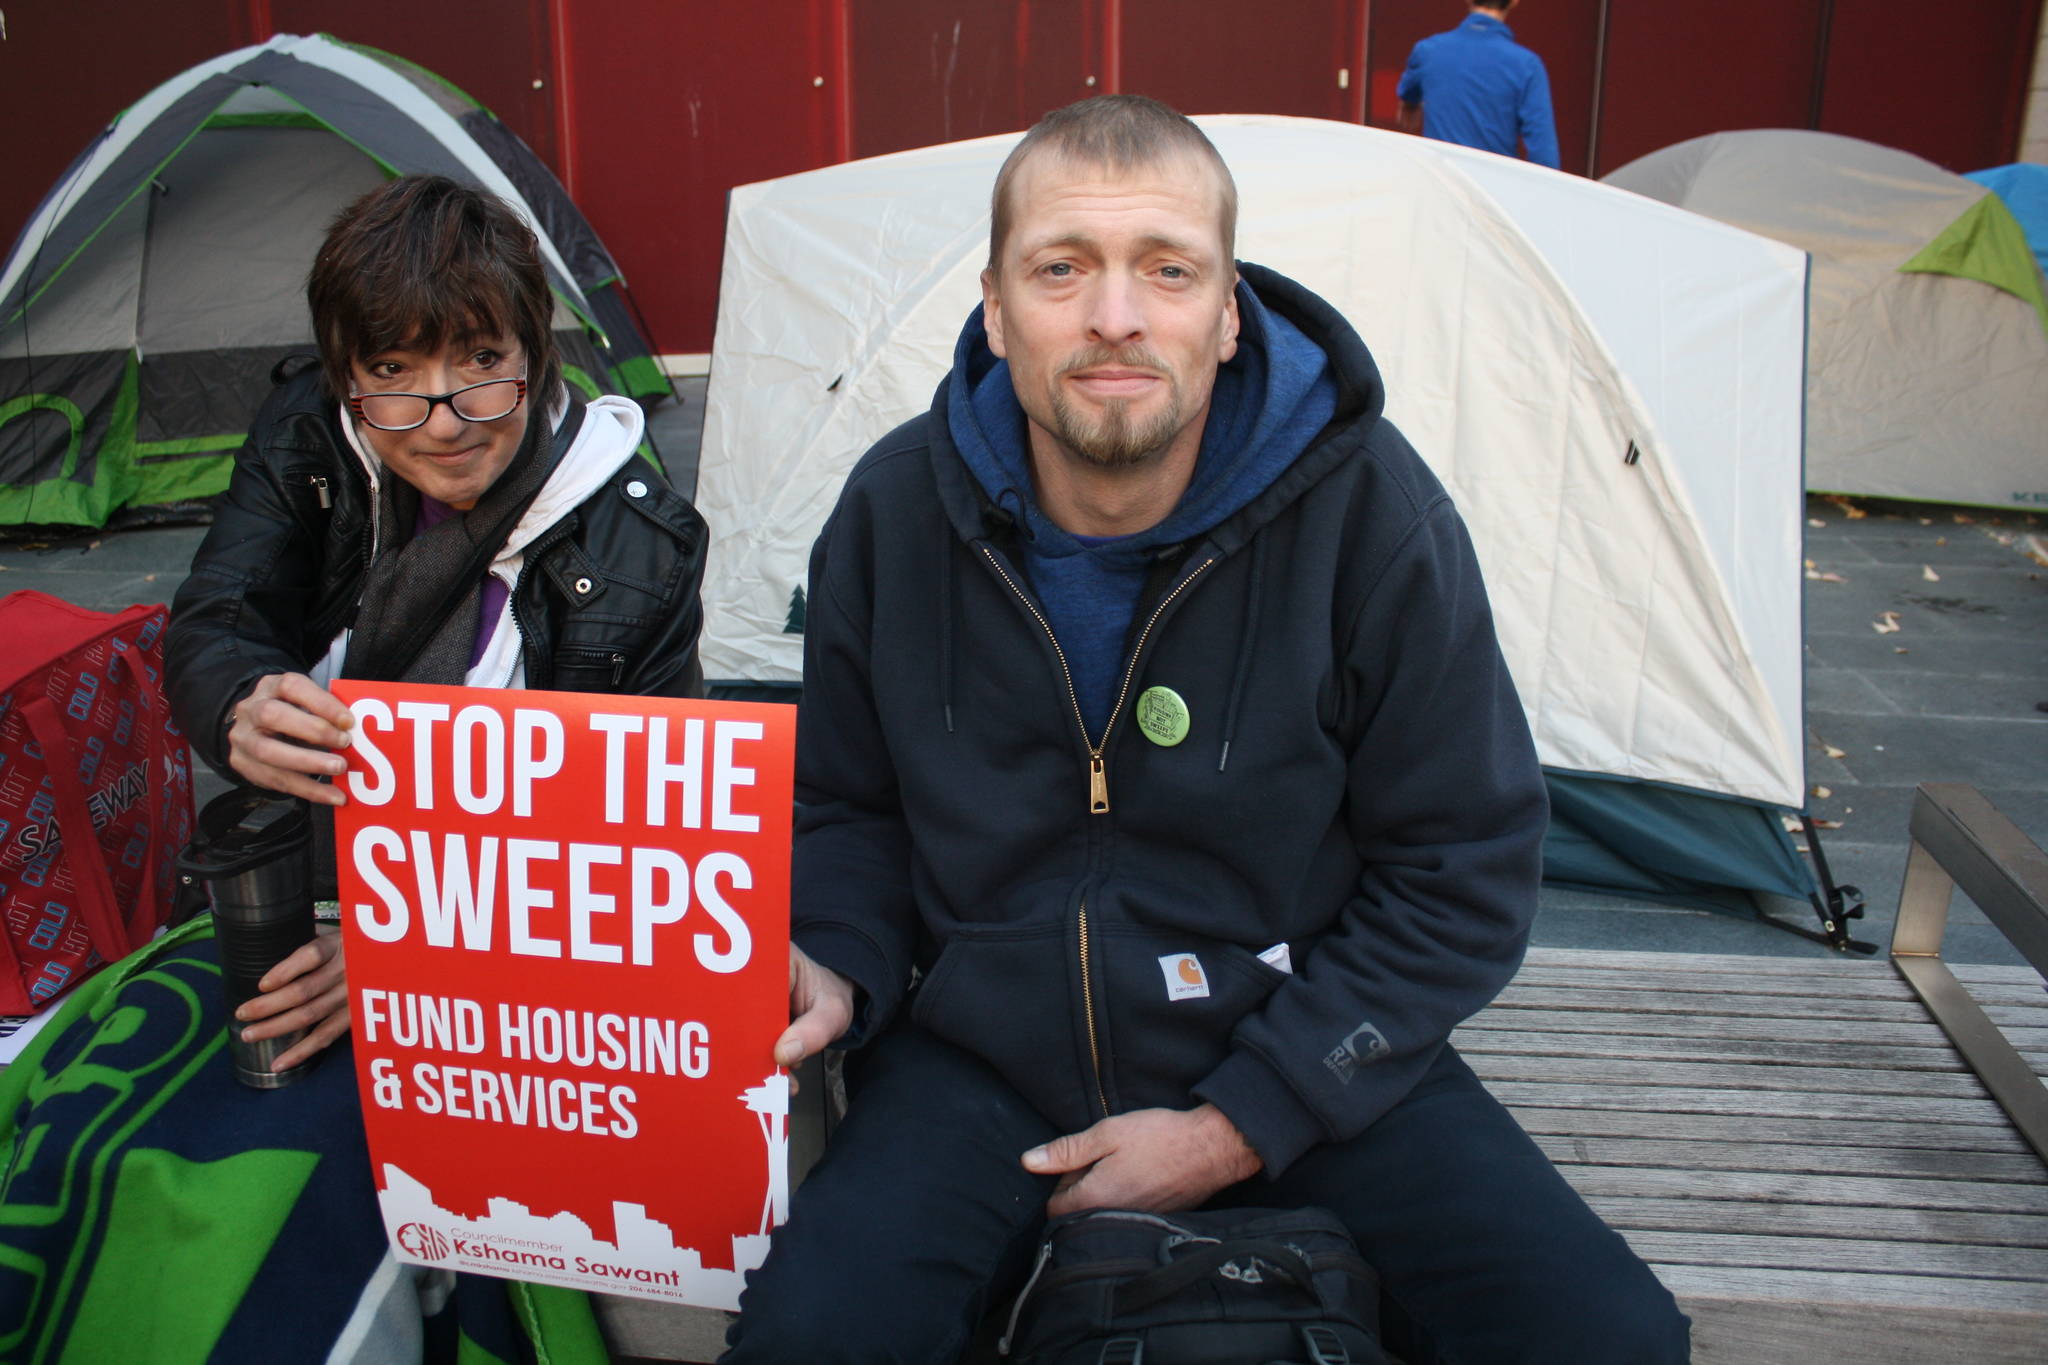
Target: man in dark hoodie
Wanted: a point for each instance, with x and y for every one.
(1164, 803)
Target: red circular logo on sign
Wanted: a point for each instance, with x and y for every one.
(417, 1239)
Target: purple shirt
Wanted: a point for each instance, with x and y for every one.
(432, 513)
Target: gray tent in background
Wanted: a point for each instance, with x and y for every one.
(161, 279)
(1927, 341)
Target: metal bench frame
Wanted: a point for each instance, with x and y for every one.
(1961, 840)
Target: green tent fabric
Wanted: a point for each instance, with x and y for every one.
(1921, 383)
(1986, 243)
(1686, 847)
(154, 1209)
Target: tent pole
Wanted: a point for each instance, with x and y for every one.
(1820, 64)
(1599, 80)
(1836, 905)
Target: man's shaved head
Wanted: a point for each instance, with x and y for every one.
(1121, 132)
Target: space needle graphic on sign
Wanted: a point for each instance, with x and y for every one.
(567, 928)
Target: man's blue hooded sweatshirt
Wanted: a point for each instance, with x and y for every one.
(1268, 403)
(1098, 908)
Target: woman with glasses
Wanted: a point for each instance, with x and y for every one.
(429, 504)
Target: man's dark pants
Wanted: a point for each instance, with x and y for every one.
(918, 1219)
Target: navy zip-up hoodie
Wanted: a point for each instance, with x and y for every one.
(1088, 906)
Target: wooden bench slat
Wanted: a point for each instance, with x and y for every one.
(1790, 1188)
(1781, 1103)
(1769, 1052)
(1883, 1292)
(1840, 1253)
(1919, 1033)
(1709, 1005)
(1800, 1317)
(1879, 984)
(1683, 1154)
(1939, 1137)
(1623, 1071)
(1823, 1220)
(1718, 964)
(1745, 965)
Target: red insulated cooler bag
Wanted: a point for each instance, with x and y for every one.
(95, 792)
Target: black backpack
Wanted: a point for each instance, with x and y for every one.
(1229, 1287)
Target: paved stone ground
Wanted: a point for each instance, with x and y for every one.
(1952, 695)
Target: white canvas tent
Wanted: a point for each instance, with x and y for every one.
(1610, 389)
(1928, 365)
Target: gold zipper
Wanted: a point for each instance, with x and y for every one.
(1088, 1011)
(1098, 772)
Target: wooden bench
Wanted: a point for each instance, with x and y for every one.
(1813, 1155)
(1825, 1160)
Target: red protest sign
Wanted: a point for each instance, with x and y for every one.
(566, 919)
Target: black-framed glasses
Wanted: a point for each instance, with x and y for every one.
(485, 402)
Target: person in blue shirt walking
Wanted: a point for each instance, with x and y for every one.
(1476, 86)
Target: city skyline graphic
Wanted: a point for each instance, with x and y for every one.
(511, 1240)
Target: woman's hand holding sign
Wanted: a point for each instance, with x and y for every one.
(281, 737)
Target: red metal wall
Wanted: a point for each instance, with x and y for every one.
(1223, 57)
(651, 110)
(1689, 70)
(49, 109)
(928, 71)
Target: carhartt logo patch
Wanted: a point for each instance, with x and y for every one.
(1361, 1048)
(1185, 979)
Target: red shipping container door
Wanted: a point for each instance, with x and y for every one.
(1674, 72)
(67, 70)
(931, 71)
(669, 106)
(1946, 82)
(1564, 33)
(1220, 57)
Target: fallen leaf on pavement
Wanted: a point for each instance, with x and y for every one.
(1822, 792)
(1833, 752)
(1887, 623)
(1827, 824)
(1815, 521)
(1927, 572)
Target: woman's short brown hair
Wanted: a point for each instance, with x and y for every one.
(421, 262)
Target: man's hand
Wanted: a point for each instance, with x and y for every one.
(820, 1009)
(1160, 1160)
(282, 736)
(1409, 118)
(307, 990)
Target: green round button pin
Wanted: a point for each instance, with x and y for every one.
(1163, 716)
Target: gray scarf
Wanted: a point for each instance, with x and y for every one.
(420, 609)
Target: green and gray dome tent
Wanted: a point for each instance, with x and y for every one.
(1927, 361)
(155, 287)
